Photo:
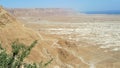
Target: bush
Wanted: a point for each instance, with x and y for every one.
(18, 54)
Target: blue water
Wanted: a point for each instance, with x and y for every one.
(103, 12)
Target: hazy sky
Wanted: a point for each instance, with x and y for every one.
(81, 5)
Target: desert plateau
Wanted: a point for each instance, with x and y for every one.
(71, 38)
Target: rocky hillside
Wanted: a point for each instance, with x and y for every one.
(11, 30)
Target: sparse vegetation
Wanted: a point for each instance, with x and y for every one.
(18, 54)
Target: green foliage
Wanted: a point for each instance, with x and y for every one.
(18, 54)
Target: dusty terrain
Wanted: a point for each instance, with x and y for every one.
(74, 40)
(95, 44)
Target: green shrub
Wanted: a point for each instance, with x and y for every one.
(18, 54)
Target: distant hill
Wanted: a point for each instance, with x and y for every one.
(41, 11)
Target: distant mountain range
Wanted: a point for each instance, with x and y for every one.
(103, 12)
(41, 11)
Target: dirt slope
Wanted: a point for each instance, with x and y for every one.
(11, 29)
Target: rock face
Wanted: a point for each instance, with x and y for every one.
(66, 53)
(5, 18)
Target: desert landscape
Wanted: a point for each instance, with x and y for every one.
(71, 38)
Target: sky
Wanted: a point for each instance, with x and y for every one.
(81, 5)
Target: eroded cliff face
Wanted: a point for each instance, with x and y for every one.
(67, 44)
